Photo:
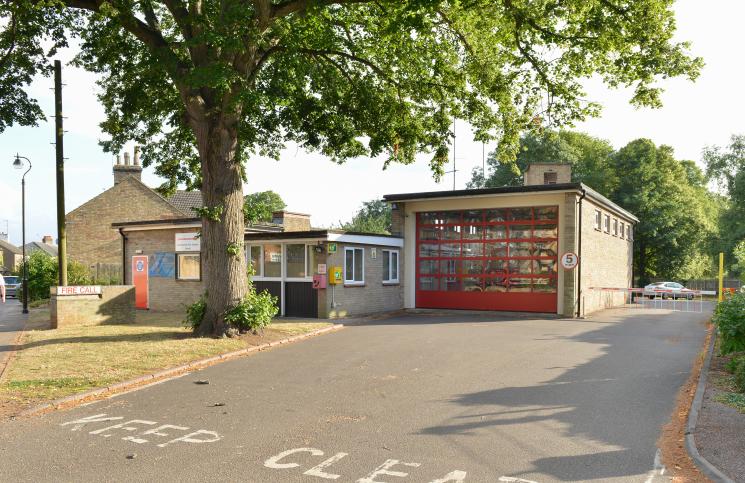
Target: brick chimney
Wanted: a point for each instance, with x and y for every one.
(121, 171)
(547, 173)
(291, 221)
(47, 240)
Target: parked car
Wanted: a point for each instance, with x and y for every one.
(668, 290)
(12, 286)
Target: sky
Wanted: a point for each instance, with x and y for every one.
(695, 115)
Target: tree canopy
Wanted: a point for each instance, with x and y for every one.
(205, 84)
(373, 217)
(258, 207)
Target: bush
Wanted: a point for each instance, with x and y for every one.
(739, 373)
(43, 274)
(195, 312)
(729, 317)
(254, 312)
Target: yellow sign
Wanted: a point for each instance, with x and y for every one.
(336, 276)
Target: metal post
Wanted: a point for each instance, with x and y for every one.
(23, 238)
(60, 162)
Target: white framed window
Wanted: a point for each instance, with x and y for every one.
(254, 256)
(188, 266)
(598, 219)
(622, 231)
(297, 265)
(629, 233)
(615, 226)
(354, 266)
(606, 224)
(390, 266)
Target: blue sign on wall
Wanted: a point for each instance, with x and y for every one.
(162, 264)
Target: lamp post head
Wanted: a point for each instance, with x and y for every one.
(17, 163)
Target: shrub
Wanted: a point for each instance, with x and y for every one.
(739, 373)
(195, 312)
(254, 312)
(729, 317)
(43, 274)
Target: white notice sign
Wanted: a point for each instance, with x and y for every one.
(188, 242)
(569, 260)
(79, 290)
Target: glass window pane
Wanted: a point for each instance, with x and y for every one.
(520, 231)
(429, 233)
(311, 257)
(520, 249)
(451, 267)
(544, 285)
(473, 267)
(296, 261)
(188, 267)
(496, 249)
(496, 267)
(386, 265)
(451, 217)
(546, 231)
(451, 284)
(519, 284)
(429, 250)
(473, 232)
(520, 267)
(546, 212)
(473, 216)
(358, 261)
(496, 232)
(428, 267)
(495, 284)
(451, 232)
(429, 283)
(473, 249)
(272, 260)
(521, 214)
(472, 284)
(544, 267)
(496, 216)
(448, 250)
(394, 265)
(256, 260)
(349, 265)
(546, 248)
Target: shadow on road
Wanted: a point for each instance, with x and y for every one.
(616, 402)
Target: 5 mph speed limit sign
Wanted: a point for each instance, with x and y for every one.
(569, 260)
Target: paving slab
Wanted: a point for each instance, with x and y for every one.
(12, 321)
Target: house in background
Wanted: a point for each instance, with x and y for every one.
(46, 246)
(10, 257)
(90, 237)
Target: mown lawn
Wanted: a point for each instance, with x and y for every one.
(57, 363)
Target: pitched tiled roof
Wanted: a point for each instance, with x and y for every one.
(50, 250)
(10, 247)
(186, 201)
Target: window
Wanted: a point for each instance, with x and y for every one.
(629, 233)
(615, 227)
(598, 219)
(549, 178)
(296, 266)
(254, 257)
(623, 231)
(390, 266)
(354, 266)
(188, 266)
(273, 260)
(606, 224)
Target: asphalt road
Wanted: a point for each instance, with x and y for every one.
(11, 321)
(418, 398)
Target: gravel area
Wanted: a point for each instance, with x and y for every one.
(720, 431)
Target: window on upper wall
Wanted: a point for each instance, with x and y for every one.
(606, 224)
(390, 266)
(622, 231)
(629, 233)
(598, 219)
(188, 266)
(354, 266)
(549, 178)
(615, 227)
(253, 256)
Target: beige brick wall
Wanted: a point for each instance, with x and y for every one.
(606, 260)
(116, 305)
(568, 233)
(166, 294)
(373, 297)
(90, 237)
(534, 174)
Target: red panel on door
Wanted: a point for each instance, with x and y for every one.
(140, 281)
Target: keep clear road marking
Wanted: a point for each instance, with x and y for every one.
(195, 437)
(284, 461)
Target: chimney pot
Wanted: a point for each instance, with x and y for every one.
(126, 159)
(47, 239)
(137, 156)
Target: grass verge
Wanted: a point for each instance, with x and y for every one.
(51, 364)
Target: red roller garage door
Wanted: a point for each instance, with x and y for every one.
(492, 259)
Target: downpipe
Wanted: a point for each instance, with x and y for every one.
(579, 255)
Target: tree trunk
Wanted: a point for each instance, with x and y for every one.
(225, 275)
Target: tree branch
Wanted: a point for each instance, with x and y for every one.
(288, 7)
(353, 58)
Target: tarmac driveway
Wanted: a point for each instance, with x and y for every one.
(417, 398)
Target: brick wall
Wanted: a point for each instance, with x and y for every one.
(116, 305)
(568, 233)
(166, 293)
(534, 175)
(372, 297)
(90, 237)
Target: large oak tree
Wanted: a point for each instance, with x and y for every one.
(205, 84)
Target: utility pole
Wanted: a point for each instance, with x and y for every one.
(60, 158)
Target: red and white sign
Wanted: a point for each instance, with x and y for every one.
(319, 281)
(569, 260)
(188, 242)
(79, 290)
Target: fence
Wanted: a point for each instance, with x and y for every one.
(106, 273)
(638, 298)
(709, 284)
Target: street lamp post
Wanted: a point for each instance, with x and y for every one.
(18, 164)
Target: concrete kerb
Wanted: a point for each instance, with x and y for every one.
(166, 374)
(703, 464)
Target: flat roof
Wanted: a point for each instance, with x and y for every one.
(517, 190)
(329, 235)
